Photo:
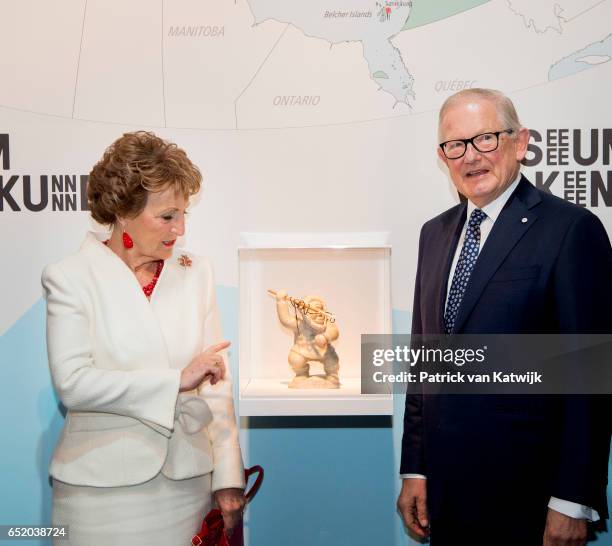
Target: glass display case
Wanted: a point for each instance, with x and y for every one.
(350, 273)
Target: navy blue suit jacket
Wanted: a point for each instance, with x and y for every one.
(549, 274)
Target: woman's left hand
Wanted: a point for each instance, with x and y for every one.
(231, 502)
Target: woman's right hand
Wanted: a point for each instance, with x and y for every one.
(207, 365)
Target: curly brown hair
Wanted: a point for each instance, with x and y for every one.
(133, 166)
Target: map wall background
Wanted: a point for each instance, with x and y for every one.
(300, 122)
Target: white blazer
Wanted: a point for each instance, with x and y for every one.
(115, 359)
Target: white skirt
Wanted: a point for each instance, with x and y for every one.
(160, 512)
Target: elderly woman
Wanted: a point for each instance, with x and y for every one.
(135, 353)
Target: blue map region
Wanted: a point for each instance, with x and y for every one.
(369, 22)
(588, 57)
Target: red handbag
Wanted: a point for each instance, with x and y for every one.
(212, 532)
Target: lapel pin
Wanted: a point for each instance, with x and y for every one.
(185, 260)
(524, 220)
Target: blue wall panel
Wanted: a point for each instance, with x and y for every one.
(329, 480)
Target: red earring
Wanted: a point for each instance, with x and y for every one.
(127, 240)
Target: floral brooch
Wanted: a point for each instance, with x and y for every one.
(185, 260)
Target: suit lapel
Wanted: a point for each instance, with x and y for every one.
(124, 303)
(168, 303)
(511, 225)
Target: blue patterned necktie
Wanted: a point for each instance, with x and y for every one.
(463, 270)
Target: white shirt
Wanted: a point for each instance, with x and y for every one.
(492, 210)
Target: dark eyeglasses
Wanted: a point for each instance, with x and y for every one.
(484, 142)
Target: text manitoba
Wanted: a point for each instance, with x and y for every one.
(206, 31)
(528, 378)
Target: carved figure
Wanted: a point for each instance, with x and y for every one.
(314, 329)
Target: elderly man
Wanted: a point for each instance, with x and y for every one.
(506, 469)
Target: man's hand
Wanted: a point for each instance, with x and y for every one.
(412, 504)
(561, 530)
(231, 502)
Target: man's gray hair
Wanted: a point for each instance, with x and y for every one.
(506, 112)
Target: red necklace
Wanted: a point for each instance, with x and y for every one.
(148, 288)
